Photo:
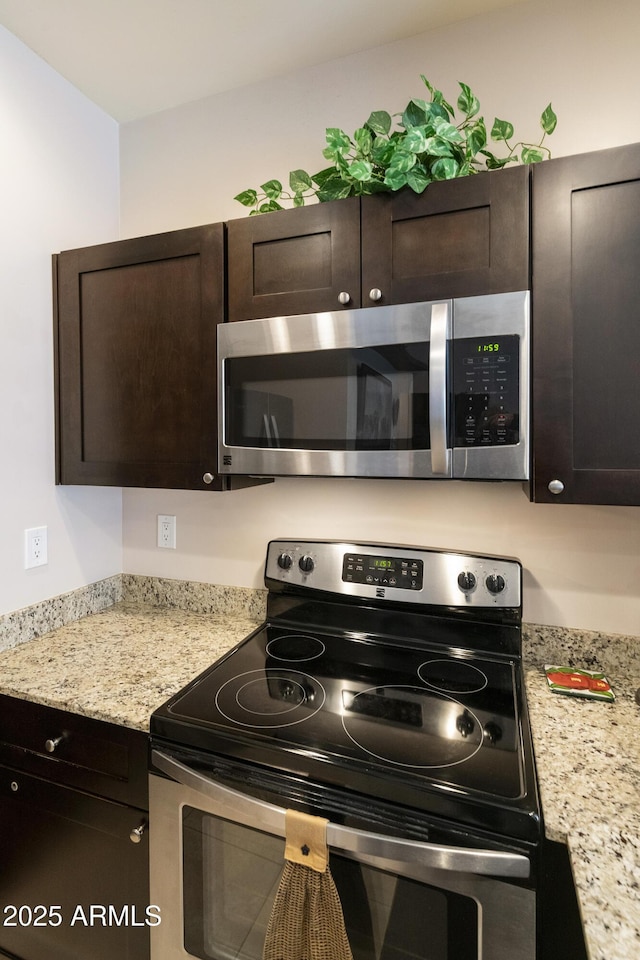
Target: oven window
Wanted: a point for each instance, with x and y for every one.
(231, 875)
(366, 398)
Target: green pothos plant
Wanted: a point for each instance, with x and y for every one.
(426, 143)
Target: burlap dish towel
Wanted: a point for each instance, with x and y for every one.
(306, 922)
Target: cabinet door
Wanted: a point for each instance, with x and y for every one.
(295, 261)
(135, 349)
(66, 857)
(460, 238)
(586, 335)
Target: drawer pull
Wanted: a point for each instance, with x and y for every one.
(136, 834)
(52, 745)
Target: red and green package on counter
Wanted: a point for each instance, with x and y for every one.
(578, 683)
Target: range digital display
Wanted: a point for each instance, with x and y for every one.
(400, 573)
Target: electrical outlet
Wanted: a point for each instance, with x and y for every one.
(35, 547)
(166, 531)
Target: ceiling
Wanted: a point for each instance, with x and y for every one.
(136, 57)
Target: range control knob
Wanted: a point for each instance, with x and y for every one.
(495, 583)
(284, 561)
(466, 580)
(306, 563)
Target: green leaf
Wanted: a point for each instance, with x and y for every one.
(272, 188)
(382, 151)
(501, 130)
(415, 140)
(298, 200)
(548, 120)
(437, 98)
(248, 198)
(395, 179)
(496, 163)
(532, 155)
(447, 131)
(444, 169)
(467, 102)
(268, 207)
(379, 122)
(415, 114)
(337, 141)
(361, 170)
(435, 147)
(364, 141)
(418, 178)
(402, 160)
(299, 181)
(323, 175)
(334, 188)
(476, 138)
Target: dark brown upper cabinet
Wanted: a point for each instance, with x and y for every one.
(586, 329)
(295, 261)
(459, 238)
(135, 341)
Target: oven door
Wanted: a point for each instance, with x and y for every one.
(360, 393)
(217, 855)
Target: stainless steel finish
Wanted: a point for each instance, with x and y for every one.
(506, 911)
(136, 834)
(499, 314)
(496, 315)
(265, 816)
(438, 398)
(366, 327)
(375, 294)
(14, 786)
(556, 487)
(52, 745)
(344, 297)
(208, 478)
(441, 571)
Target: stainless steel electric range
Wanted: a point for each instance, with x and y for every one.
(385, 693)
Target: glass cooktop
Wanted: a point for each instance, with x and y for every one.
(401, 712)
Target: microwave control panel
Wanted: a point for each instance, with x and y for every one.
(486, 380)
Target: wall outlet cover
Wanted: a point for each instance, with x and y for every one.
(35, 547)
(166, 531)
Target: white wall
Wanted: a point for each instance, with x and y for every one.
(60, 186)
(183, 167)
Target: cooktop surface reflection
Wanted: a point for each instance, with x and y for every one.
(417, 714)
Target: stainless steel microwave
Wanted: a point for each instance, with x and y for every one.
(416, 390)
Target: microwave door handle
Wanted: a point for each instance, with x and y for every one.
(438, 389)
(266, 816)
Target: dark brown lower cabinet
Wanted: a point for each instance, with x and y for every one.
(72, 884)
(74, 874)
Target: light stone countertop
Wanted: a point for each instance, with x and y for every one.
(588, 763)
(122, 663)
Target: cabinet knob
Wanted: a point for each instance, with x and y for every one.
(556, 487)
(375, 294)
(344, 297)
(208, 478)
(52, 745)
(136, 834)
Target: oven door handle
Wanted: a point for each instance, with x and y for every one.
(256, 813)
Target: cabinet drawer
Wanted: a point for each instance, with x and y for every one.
(68, 748)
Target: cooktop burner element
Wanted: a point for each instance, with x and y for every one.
(413, 696)
(454, 676)
(269, 698)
